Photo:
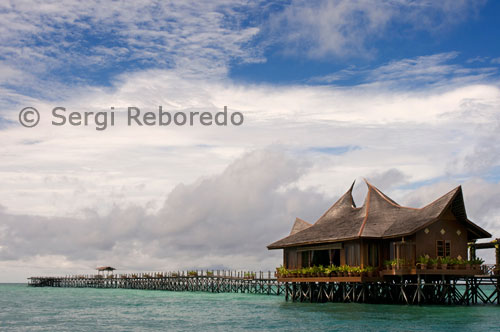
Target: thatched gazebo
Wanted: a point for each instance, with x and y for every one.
(105, 269)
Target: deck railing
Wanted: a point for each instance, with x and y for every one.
(226, 274)
(490, 269)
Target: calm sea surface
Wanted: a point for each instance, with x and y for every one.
(70, 309)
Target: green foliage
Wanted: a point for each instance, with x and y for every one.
(445, 260)
(314, 271)
(433, 261)
(477, 261)
(370, 269)
(423, 260)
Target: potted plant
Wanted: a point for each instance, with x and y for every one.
(322, 271)
(388, 264)
(316, 271)
(445, 262)
(432, 264)
(476, 263)
(422, 262)
(330, 271)
(370, 271)
(281, 272)
(455, 263)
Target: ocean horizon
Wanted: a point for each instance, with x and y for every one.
(24, 308)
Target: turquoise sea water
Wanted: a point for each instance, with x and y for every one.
(24, 308)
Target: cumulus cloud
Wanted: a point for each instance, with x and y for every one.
(225, 220)
(426, 134)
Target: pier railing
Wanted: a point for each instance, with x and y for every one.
(217, 281)
(425, 287)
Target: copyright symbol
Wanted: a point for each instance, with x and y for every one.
(29, 117)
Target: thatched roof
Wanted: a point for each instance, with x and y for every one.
(379, 217)
(105, 268)
(299, 225)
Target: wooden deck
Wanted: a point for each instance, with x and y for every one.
(446, 272)
(401, 286)
(358, 279)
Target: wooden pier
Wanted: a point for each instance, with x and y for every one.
(195, 281)
(430, 287)
(408, 289)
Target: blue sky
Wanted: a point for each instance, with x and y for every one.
(284, 47)
(474, 38)
(404, 93)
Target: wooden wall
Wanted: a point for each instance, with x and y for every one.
(426, 240)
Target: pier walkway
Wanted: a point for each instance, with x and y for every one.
(427, 288)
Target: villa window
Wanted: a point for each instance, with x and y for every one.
(443, 248)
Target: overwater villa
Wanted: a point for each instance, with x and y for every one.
(381, 232)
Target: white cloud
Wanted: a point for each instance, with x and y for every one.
(348, 28)
(425, 134)
(198, 39)
(419, 73)
(165, 198)
(225, 220)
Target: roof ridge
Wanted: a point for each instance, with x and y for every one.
(299, 225)
(384, 196)
(349, 191)
(456, 189)
(367, 202)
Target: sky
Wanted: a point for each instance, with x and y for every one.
(403, 93)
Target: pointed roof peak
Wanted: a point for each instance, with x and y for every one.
(299, 225)
(380, 217)
(350, 193)
(344, 203)
(379, 194)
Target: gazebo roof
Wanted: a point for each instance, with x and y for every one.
(105, 268)
(379, 217)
